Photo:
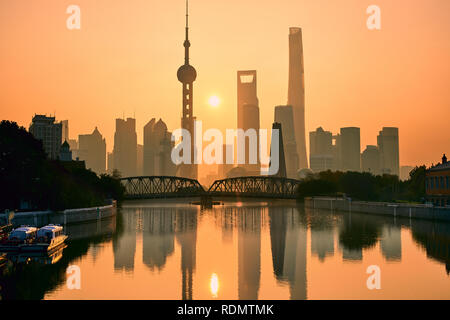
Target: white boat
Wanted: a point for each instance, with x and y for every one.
(47, 239)
(19, 237)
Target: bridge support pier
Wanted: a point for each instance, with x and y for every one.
(206, 202)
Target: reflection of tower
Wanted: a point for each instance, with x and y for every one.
(186, 233)
(249, 251)
(248, 116)
(391, 242)
(125, 246)
(158, 235)
(296, 93)
(288, 239)
(187, 75)
(281, 160)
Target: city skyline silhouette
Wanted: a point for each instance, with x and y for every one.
(113, 66)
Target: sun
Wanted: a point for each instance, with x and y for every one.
(214, 101)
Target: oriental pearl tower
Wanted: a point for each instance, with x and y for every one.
(186, 75)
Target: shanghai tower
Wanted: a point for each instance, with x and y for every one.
(186, 75)
(296, 92)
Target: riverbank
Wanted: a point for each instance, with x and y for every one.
(69, 216)
(428, 212)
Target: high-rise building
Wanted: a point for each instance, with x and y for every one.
(285, 116)
(370, 160)
(296, 93)
(321, 150)
(225, 167)
(125, 147)
(50, 133)
(388, 144)
(281, 159)
(350, 149)
(140, 160)
(186, 75)
(65, 154)
(405, 171)
(73, 143)
(157, 150)
(92, 149)
(248, 117)
(65, 131)
(110, 159)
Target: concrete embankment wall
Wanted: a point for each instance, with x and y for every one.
(41, 218)
(380, 208)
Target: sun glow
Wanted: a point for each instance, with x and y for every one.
(214, 101)
(214, 285)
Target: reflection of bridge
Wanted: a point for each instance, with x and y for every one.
(176, 187)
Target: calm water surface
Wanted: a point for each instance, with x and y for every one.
(251, 250)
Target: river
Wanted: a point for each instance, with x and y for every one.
(239, 250)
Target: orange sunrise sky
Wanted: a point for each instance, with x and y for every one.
(123, 61)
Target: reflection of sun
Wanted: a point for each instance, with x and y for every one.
(214, 285)
(214, 101)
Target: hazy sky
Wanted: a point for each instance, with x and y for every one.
(125, 57)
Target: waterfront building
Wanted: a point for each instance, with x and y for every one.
(92, 149)
(388, 144)
(49, 132)
(321, 150)
(296, 92)
(285, 116)
(370, 160)
(350, 149)
(125, 147)
(437, 183)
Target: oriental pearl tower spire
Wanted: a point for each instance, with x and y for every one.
(187, 75)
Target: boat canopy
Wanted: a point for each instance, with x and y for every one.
(50, 231)
(22, 233)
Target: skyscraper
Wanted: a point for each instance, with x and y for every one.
(370, 160)
(92, 149)
(65, 131)
(50, 133)
(296, 93)
(186, 75)
(157, 150)
(281, 158)
(285, 116)
(125, 147)
(350, 149)
(321, 150)
(388, 143)
(248, 116)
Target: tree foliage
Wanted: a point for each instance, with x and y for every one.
(26, 175)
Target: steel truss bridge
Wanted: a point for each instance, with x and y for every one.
(157, 187)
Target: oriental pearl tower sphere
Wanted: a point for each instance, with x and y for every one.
(186, 75)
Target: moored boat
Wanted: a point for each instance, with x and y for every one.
(19, 237)
(48, 238)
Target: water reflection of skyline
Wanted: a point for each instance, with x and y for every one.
(349, 234)
(294, 239)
